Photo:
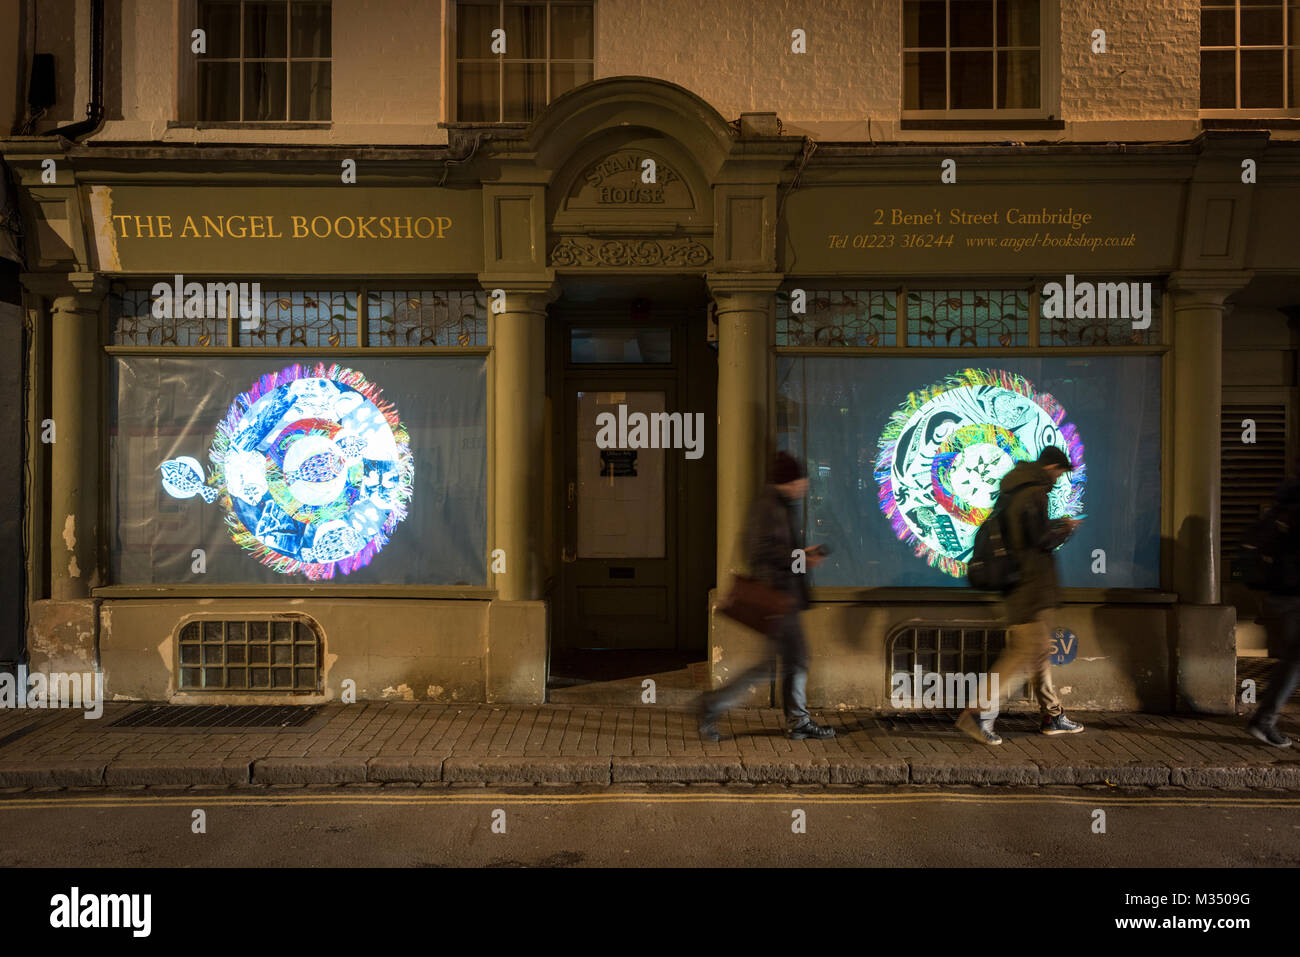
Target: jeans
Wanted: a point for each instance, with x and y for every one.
(788, 644)
(1028, 653)
(1282, 618)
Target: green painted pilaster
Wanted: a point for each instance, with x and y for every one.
(519, 402)
(75, 401)
(745, 336)
(1198, 313)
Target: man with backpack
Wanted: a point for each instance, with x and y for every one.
(1031, 538)
(1270, 559)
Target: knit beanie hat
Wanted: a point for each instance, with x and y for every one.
(786, 468)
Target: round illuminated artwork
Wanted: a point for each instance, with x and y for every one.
(944, 452)
(313, 469)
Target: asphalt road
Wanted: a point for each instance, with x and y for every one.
(626, 826)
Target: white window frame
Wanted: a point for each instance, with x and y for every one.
(453, 59)
(1291, 110)
(187, 75)
(1049, 68)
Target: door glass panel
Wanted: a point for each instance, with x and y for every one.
(615, 344)
(619, 491)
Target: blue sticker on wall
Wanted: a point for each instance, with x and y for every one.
(1065, 645)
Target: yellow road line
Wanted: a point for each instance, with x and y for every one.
(209, 799)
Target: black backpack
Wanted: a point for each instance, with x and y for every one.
(992, 565)
(1267, 557)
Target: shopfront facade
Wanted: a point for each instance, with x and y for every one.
(438, 331)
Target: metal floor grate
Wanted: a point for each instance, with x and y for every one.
(210, 717)
(923, 722)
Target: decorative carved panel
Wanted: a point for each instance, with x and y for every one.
(581, 251)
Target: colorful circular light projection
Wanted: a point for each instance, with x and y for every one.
(944, 452)
(314, 471)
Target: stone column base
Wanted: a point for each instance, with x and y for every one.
(1205, 663)
(516, 652)
(61, 636)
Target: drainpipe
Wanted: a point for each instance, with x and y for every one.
(95, 108)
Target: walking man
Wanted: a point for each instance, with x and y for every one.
(1282, 616)
(1033, 539)
(769, 542)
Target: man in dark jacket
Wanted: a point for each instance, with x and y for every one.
(1033, 538)
(770, 540)
(1282, 617)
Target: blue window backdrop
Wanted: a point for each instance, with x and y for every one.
(904, 456)
(349, 470)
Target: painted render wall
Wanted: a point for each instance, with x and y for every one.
(1125, 662)
(389, 90)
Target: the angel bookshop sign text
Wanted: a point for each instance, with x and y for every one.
(232, 230)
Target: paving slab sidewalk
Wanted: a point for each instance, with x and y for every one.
(407, 743)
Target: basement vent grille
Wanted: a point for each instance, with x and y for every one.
(276, 655)
(946, 649)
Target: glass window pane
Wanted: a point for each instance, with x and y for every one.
(1293, 24)
(218, 92)
(220, 20)
(525, 91)
(474, 25)
(387, 486)
(264, 91)
(972, 23)
(1018, 80)
(872, 428)
(571, 33)
(1218, 80)
(1261, 78)
(265, 29)
(1261, 27)
(525, 32)
(478, 92)
(924, 82)
(620, 345)
(972, 80)
(1293, 84)
(565, 76)
(309, 28)
(310, 91)
(1018, 23)
(620, 492)
(923, 24)
(1218, 28)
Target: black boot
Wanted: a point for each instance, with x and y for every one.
(810, 729)
(708, 721)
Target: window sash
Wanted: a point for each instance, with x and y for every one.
(993, 111)
(288, 61)
(502, 95)
(1289, 15)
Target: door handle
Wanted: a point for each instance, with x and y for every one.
(568, 555)
(573, 495)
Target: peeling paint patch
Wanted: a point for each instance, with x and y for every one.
(70, 532)
(717, 653)
(1098, 658)
(73, 570)
(402, 691)
(1067, 689)
(433, 691)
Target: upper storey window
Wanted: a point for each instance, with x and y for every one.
(511, 59)
(972, 57)
(1249, 53)
(265, 62)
